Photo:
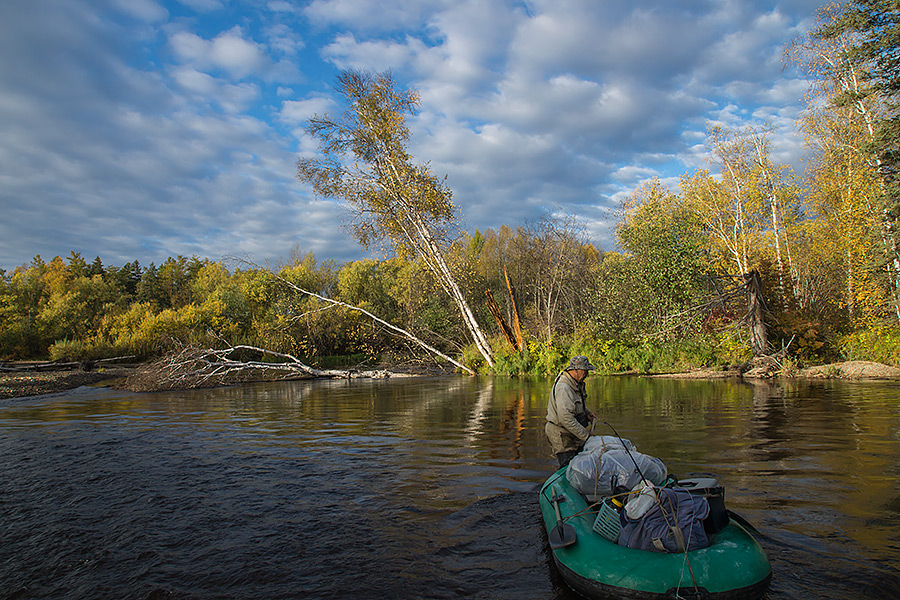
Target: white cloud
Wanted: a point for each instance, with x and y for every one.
(203, 5)
(145, 10)
(633, 176)
(235, 54)
(228, 51)
(232, 98)
(283, 39)
(348, 53)
(372, 14)
(195, 81)
(300, 111)
(283, 6)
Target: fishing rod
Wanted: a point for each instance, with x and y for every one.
(628, 452)
(676, 530)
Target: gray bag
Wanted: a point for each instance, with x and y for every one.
(595, 473)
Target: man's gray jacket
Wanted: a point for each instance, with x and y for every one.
(564, 409)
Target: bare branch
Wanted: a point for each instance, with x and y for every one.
(390, 326)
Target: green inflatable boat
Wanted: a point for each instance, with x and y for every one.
(584, 546)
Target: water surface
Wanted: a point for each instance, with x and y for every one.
(418, 488)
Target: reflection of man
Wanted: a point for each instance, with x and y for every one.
(567, 416)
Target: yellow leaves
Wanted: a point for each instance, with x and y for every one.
(391, 196)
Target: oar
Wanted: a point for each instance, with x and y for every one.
(563, 534)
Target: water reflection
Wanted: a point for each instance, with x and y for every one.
(420, 487)
(513, 421)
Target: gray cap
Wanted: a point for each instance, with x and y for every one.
(580, 362)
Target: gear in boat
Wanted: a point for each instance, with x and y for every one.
(665, 539)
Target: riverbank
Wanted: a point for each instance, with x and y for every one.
(22, 384)
(856, 369)
(17, 384)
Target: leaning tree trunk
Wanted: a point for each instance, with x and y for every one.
(393, 328)
(429, 250)
(517, 327)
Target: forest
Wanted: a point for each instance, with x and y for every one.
(522, 298)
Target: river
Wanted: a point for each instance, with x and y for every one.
(418, 488)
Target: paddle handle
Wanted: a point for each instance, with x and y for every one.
(555, 501)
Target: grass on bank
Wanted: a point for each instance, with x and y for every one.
(709, 351)
(545, 358)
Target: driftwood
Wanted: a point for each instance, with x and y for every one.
(57, 365)
(191, 367)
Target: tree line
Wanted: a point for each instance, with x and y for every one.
(74, 310)
(822, 244)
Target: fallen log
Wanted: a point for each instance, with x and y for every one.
(190, 367)
(57, 365)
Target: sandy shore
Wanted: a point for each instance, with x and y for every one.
(856, 369)
(20, 384)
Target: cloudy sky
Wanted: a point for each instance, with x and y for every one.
(142, 129)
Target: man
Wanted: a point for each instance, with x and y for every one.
(567, 416)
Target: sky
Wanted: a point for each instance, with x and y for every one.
(143, 129)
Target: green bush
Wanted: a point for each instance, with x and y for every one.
(878, 344)
(509, 362)
(731, 348)
(547, 357)
(68, 351)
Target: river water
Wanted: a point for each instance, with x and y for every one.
(418, 488)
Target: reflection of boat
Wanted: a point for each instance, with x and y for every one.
(733, 566)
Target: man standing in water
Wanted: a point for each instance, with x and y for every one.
(567, 416)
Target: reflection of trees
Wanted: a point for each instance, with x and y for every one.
(769, 442)
(669, 418)
(479, 413)
(514, 421)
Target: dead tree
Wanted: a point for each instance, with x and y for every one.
(517, 327)
(501, 322)
(723, 298)
(188, 367)
(756, 305)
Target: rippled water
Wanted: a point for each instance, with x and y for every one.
(417, 488)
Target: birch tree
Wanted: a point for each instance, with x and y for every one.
(849, 181)
(724, 203)
(366, 163)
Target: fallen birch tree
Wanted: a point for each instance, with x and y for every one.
(403, 332)
(191, 367)
(365, 162)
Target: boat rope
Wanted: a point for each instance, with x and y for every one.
(685, 545)
(687, 561)
(676, 530)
